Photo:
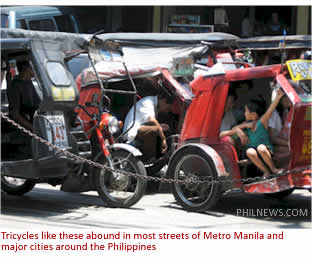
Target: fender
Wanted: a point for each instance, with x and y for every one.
(212, 154)
(117, 146)
(123, 146)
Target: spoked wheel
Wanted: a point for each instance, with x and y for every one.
(16, 186)
(117, 189)
(193, 164)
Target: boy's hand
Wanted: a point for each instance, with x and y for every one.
(280, 93)
(246, 124)
(243, 137)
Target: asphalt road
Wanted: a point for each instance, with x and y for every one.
(47, 206)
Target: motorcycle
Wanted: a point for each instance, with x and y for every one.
(52, 159)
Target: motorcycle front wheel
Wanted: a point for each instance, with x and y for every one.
(117, 189)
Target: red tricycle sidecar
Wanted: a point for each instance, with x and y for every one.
(212, 166)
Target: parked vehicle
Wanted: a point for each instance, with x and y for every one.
(123, 92)
(42, 18)
(56, 122)
(146, 65)
(202, 156)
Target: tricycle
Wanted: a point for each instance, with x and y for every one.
(25, 161)
(146, 65)
(214, 167)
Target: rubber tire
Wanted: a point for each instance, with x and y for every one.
(105, 194)
(281, 195)
(215, 193)
(16, 190)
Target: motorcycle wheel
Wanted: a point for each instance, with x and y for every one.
(116, 189)
(194, 164)
(16, 186)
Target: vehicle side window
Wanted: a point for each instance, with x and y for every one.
(43, 25)
(57, 73)
(4, 21)
(21, 24)
(64, 23)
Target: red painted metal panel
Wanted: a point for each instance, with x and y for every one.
(296, 180)
(211, 126)
(195, 117)
(253, 73)
(289, 90)
(86, 95)
(229, 157)
(204, 115)
(300, 136)
(183, 94)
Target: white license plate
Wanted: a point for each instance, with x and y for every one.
(59, 136)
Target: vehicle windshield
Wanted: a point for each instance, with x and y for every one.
(57, 74)
(77, 64)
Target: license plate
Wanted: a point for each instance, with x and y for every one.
(56, 130)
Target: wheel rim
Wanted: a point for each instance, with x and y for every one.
(197, 168)
(13, 181)
(117, 186)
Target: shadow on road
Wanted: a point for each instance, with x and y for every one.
(293, 210)
(51, 203)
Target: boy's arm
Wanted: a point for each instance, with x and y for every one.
(266, 117)
(236, 130)
(232, 131)
(227, 133)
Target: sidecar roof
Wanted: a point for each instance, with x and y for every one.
(69, 41)
(273, 42)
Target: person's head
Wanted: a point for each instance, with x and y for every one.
(165, 103)
(25, 70)
(255, 109)
(230, 100)
(284, 103)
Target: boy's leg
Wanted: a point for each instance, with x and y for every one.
(253, 156)
(266, 156)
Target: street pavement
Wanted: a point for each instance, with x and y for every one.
(47, 206)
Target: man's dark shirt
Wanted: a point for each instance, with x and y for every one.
(23, 97)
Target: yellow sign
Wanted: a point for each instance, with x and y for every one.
(300, 69)
(63, 94)
(306, 146)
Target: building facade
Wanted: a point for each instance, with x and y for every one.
(231, 19)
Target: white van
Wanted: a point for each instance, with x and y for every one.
(43, 18)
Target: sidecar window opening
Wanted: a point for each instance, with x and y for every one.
(57, 73)
(247, 90)
(12, 71)
(122, 103)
